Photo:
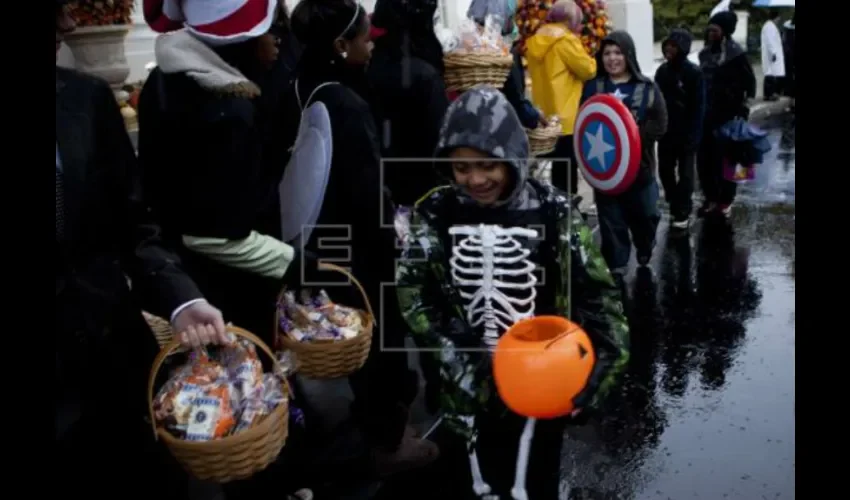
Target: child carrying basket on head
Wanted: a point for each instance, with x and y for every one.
(491, 195)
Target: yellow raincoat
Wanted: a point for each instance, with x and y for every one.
(559, 65)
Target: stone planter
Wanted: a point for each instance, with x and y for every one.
(99, 50)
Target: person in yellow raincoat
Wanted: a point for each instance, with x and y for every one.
(559, 65)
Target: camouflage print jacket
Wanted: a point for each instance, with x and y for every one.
(436, 316)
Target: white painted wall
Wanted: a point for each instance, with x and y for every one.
(635, 17)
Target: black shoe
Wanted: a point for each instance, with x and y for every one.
(706, 208)
(576, 201)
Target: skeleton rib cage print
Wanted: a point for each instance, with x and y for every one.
(494, 276)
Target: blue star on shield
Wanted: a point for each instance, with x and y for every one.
(598, 147)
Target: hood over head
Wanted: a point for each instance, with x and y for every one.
(407, 29)
(566, 12)
(682, 38)
(728, 48)
(483, 119)
(627, 45)
(727, 21)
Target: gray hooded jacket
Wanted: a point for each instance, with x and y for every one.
(483, 119)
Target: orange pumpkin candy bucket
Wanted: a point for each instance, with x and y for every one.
(540, 364)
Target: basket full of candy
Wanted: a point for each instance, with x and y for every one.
(477, 56)
(329, 340)
(219, 414)
(542, 140)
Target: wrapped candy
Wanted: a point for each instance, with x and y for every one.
(471, 38)
(211, 414)
(218, 392)
(317, 318)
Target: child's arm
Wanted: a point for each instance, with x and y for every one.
(587, 91)
(656, 117)
(596, 306)
(434, 325)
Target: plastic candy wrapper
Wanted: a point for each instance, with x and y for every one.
(286, 364)
(471, 38)
(316, 318)
(401, 223)
(218, 392)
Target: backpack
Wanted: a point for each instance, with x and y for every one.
(305, 180)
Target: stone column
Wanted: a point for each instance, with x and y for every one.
(635, 17)
(139, 45)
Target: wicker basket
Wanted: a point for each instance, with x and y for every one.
(234, 457)
(465, 70)
(331, 358)
(161, 329)
(542, 140)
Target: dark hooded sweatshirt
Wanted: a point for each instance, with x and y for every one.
(406, 73)
(681, 84)
(728, 75)
(563, 253)
(640, 94)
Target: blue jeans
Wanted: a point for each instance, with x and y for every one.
(634, 211)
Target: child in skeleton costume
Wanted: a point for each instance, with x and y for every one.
(495, 247)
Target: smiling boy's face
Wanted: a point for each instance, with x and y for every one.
(484, 179)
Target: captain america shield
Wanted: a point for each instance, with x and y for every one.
(606, 141)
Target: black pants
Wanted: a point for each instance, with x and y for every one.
(564, 151)
(497, 448)
(715, 187)
(676, 165)
(773, 86)
(634, 211)
(108, 455)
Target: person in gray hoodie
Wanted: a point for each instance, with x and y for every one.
(634, 211)
(546, 264)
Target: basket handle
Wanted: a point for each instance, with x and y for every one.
(172, 346)
(326, 266)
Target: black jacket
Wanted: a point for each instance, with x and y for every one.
(104, 346)
(680, 81)
(212, 160)
(356, 212)
(729, 81)
(406, 75)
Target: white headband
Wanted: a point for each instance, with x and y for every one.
(351, 23)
